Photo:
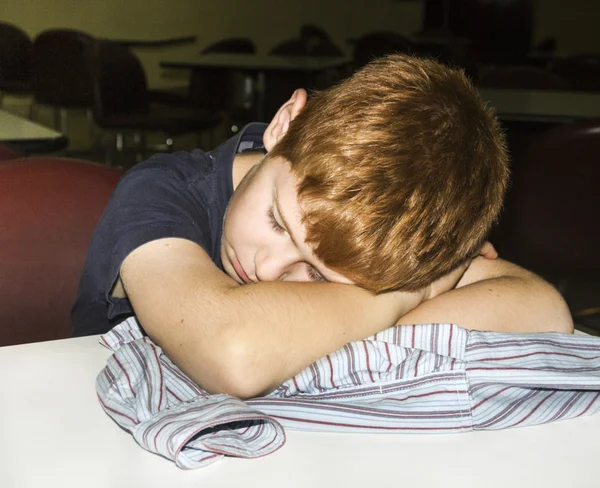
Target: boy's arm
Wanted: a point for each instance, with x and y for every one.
(496, 295)
(245, 340)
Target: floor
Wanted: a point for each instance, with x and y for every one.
(579, 295)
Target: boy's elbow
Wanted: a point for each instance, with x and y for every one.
(557, 316)
(235, 373)
(564, 319)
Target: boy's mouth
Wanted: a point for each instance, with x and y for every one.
(240, 271)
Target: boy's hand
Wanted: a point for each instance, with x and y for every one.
(488, 251)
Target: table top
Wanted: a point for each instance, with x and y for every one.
(54, 434)
(542, 105)
(29, 136)
(152, 43)
(251, 62)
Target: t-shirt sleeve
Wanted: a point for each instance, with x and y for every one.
(151, 203)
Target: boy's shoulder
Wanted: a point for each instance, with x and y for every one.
(196, 164)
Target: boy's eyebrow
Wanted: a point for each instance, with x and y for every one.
(280, 213)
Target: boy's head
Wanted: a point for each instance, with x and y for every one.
(401, 171)
(398, 172)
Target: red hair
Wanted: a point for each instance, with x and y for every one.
(402, 170)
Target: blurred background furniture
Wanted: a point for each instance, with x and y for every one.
(259, 67)
(550, 220)
(312, 42)
(521, 77)
(29, 137)
(15, 61)
(542, 105)
(230, 93)
(152, 43)
(122, 102)
(49, 208)
(61, 76)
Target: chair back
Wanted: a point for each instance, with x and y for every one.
(307, 46)
(49, 208)
(119, 82)
(239, 45)
(319, 42)
(312, 31)
(522, 77)
(60, 69)
(550, 223)
(15, 54)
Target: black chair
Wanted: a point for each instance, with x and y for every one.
(122, 101)
(239, 45)
(61, 77)
(307, 45)
(313, 42)
(377, 44)
(522, 77)
(15, 61)
(550, 220)
(312, 31)
(318, 42)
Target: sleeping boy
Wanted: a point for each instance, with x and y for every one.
(370, 208)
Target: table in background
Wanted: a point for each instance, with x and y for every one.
(542, 106)
(53, 433)
(255, 65)
(29, 137)
(526, 114)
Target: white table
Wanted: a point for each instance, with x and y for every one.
(29, 136)
(53, 433)
(542, 105)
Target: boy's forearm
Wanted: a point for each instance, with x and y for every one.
(495, 295)
(245, 340)
(297, 324)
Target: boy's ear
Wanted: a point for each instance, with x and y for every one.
(280, 123)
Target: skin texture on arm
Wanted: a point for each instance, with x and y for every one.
(496, 295)
(245, 340)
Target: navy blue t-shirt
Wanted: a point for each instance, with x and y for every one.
(182, 195)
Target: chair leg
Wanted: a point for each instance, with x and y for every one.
(90, 118)
(140, 145)
(63, 120)
(119, 142)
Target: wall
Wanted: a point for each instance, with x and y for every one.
(267, 22)
(573, 23)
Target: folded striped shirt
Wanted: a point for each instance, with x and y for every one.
(423, 378)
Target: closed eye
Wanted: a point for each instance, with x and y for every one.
(315, 275)
(276, 226)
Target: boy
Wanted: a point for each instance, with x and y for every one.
(369, 209)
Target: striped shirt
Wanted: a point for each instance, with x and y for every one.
(428, 378)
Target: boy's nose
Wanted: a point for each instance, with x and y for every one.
(275, 266)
